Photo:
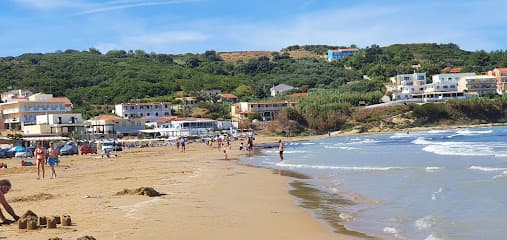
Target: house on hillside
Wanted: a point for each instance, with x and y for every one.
(340, 53)
(227, 97)
(501, 79)
(280, 89)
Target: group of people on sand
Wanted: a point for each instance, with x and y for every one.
(45, 156)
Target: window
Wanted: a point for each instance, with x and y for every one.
(126, 115)
(156, 114)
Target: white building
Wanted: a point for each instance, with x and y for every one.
(110, 126)
(408, 84)
(185, 127)
(24, 110)
(279, 89)
(266, 110)
(15, 94)
(51, 124)
(139, 110)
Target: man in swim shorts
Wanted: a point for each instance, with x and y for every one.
(52, 159)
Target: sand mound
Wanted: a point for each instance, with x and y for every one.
(31, 198)
(29, 215)
(86, 238)
(148, 191)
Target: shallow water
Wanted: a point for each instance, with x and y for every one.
(446, 184)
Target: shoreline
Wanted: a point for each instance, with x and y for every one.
(206, 197)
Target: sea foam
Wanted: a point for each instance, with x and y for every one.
(349, 168)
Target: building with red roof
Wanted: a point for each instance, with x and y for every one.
(227, 97)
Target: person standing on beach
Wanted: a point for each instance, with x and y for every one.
(178, 144)
(52, 159)
(40, 158)
(250, 145)
(183, 143)
(5, 186)
(280, 148)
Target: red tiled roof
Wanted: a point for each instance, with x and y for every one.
(107, 117)
(66, 101)
(451, 70)
(166, 119)
(502, 69)
(228, 95)
(295, 95)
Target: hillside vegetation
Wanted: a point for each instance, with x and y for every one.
(91, 78)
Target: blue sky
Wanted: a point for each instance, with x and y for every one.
(181, 26)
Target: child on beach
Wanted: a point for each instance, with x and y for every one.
(5, 186)
(241, 146)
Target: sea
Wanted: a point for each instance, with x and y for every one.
(428, 185)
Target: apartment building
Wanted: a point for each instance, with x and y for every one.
(481, 84)
(22, 110)
(266, 110)
(501, 79)
(139, 110)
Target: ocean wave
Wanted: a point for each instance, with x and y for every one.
(433, 237)
(425, 222)
(432, 169)
(435, 195)
(438, 131)
(400, 135)
(422, 141)
(466, 132)
(363, 141)
(462, 148)
(341, 147)
(339, 167)
(487, 169)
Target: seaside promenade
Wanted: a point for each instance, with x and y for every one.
(204, 197)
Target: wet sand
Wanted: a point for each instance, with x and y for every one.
(203, 197)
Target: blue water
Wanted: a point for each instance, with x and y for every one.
(445, 184)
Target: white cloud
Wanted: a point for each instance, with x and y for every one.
(119, 5)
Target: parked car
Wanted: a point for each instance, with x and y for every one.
(5, 153)
(88, 148)
(69, 148)
(109, 145)
(26, 153)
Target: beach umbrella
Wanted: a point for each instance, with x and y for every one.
(17, 149)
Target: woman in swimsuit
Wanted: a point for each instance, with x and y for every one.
(40, 156)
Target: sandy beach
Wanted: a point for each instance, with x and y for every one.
(204, 197)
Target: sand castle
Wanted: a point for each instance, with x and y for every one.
(148, 191)
(30, 221)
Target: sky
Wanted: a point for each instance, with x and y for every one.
(194, 26)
